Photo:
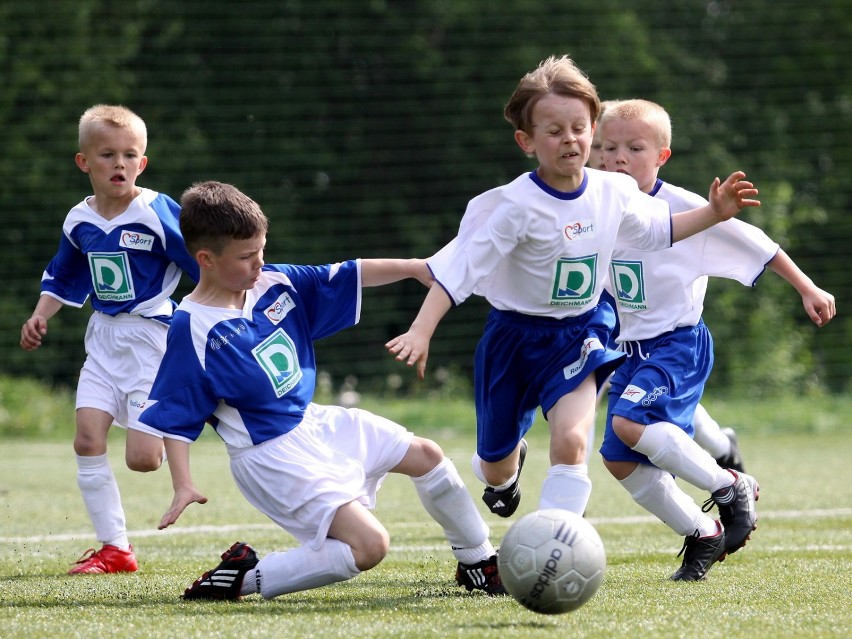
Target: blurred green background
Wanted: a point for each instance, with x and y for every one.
(364, 127)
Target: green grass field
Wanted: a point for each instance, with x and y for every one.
(793, 579)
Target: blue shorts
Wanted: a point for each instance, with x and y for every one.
(661, 381)
(523, 362)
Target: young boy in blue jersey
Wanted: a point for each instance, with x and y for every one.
(659, 296)
(122, 247)
(537, 249)
(240, 354)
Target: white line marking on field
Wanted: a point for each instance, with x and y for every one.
(597, 521)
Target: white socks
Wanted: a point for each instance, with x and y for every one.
(709, 435)
(445, 497)
(103, 502)
(671, 449)
(301, 568)
(656, 491)
(566, 487)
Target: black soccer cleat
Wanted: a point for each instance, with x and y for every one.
(226, 579)
(736, 504)
(482, 576)
(734, 459)
(504, 503)
(699, 554)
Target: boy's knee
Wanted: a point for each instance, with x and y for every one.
(144, 463)
(371, 550)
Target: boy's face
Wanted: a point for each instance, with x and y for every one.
(631, 147)
(237, 267)
(113, 157)
(596, 160)
(561, 140)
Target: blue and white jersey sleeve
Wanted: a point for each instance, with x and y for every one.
(129, 264)
(252, 371)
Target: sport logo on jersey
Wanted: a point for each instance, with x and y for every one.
(574, 281)
(278, 310)
(136, 240)
(111, 276)
(580, 230)
(629, 283)
(278, 358)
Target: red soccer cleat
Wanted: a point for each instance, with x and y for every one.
(107, 559)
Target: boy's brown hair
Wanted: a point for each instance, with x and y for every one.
(559, 76)
(213, 213)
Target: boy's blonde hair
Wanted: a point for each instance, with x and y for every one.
(644, 110)
(559, 76)
(112, 115)
(214, 213)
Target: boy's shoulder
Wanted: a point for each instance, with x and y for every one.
(678, 198)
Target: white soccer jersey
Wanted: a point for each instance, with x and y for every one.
(528, 248)
(129, 264)
(253, 369)
(658, 291)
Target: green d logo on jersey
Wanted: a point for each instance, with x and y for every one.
(111, 276)
(574, 283)
(278, 359)
(629, 284)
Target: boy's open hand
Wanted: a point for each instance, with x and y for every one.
(729, 197)
(412, 349)
(183, 498)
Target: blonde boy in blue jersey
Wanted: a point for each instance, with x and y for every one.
(659, 296)
(537, 249)
(241, 350)
(122, 248)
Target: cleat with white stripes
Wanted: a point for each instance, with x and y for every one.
(736, 504)
(482, 575)
(226, 579)
(505, 502)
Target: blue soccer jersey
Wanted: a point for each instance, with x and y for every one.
(252, 370)
(131, 263)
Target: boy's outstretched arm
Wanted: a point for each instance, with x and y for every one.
(819, 304)
(413, 347)
(378, 272)
(726, 200)
(177, 452)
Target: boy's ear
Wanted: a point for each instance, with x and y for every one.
(204, 257)
(663, 157)
(524, 141)
(143, 162)
(82, 164)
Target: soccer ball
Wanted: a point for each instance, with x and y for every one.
(552, 561)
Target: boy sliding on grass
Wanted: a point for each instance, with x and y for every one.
(240, 354)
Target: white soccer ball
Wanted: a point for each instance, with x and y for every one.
(552, 561)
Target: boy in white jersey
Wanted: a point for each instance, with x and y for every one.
(660, 296)
(537, 249)
(720, 442)
(240, 354)
(121, 246)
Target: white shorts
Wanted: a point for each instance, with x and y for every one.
(335, 456)
(123, 354)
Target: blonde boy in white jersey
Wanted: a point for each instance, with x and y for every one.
(537, 249)
(659, 297)
(721, 443)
